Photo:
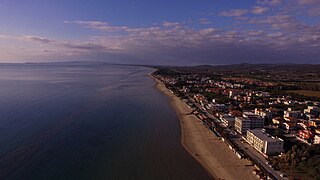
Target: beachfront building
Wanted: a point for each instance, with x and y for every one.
(242, 124)
(218, 107)
(228, 121)
(248, 121)
(256, 121)
(264, 143)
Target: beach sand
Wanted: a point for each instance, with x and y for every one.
(213, 154)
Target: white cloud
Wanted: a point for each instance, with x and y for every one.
(269, 2)
(275, 36)
(259, 10)
(309, 2)
(234, 12)
(204, 21)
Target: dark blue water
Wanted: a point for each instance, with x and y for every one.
(88, 122)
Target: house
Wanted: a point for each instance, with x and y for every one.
(291, 114)
(289, 126)
(312, 111)
(316, 139)
(218, 107)
(314, 122)
(263, 113)
(305, 134)
(277, 121)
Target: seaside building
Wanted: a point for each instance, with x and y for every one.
(242, 124)
(248, 121)
(228, 121)
(264, 143)
(256, 121)
(218, 107)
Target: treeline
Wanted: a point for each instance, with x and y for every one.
(301, 159)
(309, 86)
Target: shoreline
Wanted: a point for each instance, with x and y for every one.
(211, 153)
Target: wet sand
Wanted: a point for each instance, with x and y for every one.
(213, 154)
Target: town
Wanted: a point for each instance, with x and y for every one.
(263, 126)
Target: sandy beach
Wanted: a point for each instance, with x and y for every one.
(213, 154)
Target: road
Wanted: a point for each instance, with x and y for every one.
(256, 156)
(250, 151)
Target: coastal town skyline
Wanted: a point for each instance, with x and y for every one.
(153, 32)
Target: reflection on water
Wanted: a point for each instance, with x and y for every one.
(88, 122)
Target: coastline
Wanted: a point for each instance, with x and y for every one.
(213, 154)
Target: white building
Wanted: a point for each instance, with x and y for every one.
(218, 107)
(242, 124)
(292, 114)
(264, 143)
(312, 112)
(264, 113)
(248, 121)
(256, 121)
(316, 139)
(228, 120)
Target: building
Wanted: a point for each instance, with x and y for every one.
(264, 143)
(277, 121)
(312, 111)
(290, 126)
(218, 107)
(316, 139)
(315, 123)
(305, 134)
(242, 124)
(292, 114)
(256, 121)
(264, 113)
(233, 93)
(248, 121)
(228, 121)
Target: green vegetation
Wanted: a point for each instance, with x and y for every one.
(307, 93)
(295, 95)
(218, 97)
(301, 160)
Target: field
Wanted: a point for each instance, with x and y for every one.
(307, 93)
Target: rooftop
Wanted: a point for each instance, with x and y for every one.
(264, 136)
(243, 119)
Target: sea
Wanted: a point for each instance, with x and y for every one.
(88, 121)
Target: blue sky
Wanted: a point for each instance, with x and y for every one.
(161, 32)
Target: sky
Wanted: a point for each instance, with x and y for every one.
(166, 32)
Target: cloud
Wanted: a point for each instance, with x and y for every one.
(312, 2)
(168, 24)
(269, 2)
(259, 10)
(234, 12)
(39, 39)
(83, 46)
(98, 25)
(280, 36)
(256, 10)
(314, 11)
(204, 21)
(275, 38)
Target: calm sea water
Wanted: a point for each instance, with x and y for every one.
(88, 122)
